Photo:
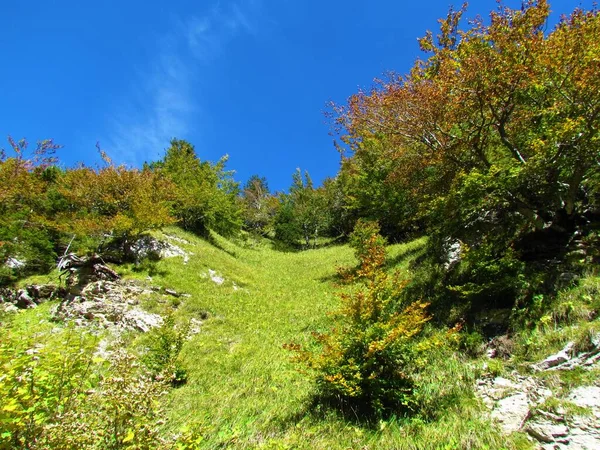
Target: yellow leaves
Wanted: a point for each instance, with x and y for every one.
(570, 125)
(401, 327)
(350, 387)
(11, 406)
(116, 199)
(506, 92)
(365, 358)
(129, 437)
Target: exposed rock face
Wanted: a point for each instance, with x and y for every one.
(215, 278)
(511, 399)
(94, 293)
(97, 295)
(555, 360)
(566, 360)
(453, 250)
(29, 297)
(516, 403)
(148, 247)
(109, 304)
(15, 263)
(573, 432)
(83, 271)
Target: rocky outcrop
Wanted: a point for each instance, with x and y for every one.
(517, 403)
(29, 297)
(15, 263)
(215, 278)
(511, 399)
(149, 247)
(94, 294)
(81, 271)
(453, 250)
(566, 360)
(109, 304)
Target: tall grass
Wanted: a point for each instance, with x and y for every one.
(242, 389)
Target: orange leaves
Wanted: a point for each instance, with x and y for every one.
(115, 200)
(505, 94)
(366, 359)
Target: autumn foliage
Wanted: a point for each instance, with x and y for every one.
(117, 201)
(492, 140)
(45, 209)
(366, 362)
(506, 97)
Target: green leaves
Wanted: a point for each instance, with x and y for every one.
(303, 213)
(364, 363)
(491, 141)
(205, 194)
(59, 395)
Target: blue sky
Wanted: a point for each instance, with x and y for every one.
(248, 78)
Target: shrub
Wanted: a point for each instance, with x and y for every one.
(368, 245)
(121, 412)
(39, 383)
(369, 249)
(366, 362)
(163, 345)
(61, 395)
(25, 235)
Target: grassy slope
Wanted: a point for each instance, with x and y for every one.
(243, 391)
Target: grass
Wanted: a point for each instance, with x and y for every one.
(244, 392)
(571, 317)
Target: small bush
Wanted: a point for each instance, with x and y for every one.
(163, 345)
(366, 362)
(471, 343)
(38, 383)
(121, 412)
(60, 395)
(368, 245)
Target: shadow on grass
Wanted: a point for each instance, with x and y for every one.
(319, 409)
(284, 247)
(150, 267)
(343, 276)
(210, 238)
(409, 253)
(333, 242)
(295, 247)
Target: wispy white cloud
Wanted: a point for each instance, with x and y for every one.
(162, 100)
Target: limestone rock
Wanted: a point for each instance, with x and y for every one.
(565, 360)
(511, 399)
(215, 278)
(546, 431)
(584, 440)
(557, 359)
(515, 402)
(15, 263)
(511, 412)
(453, 250)
(9, 308)
(111, 304)
(586, 396)
(24, 300)
(149, 247)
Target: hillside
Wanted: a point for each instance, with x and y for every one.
(243, 390)
(441, 290)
